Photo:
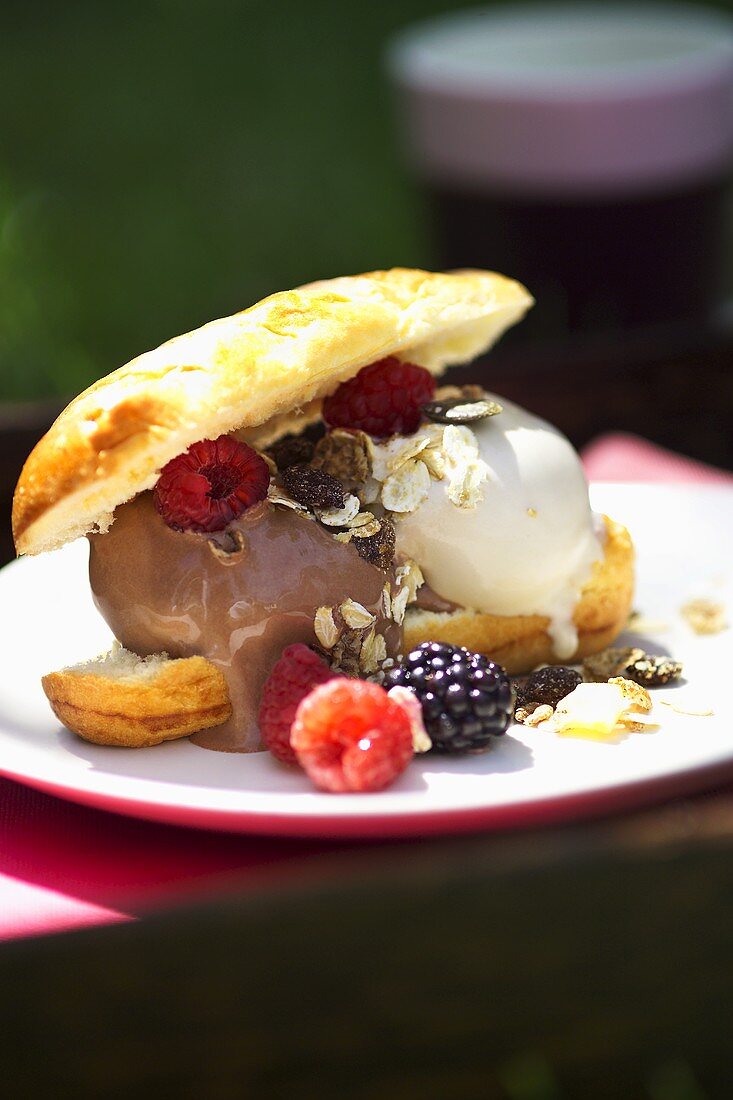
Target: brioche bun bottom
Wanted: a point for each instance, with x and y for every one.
(132, 702)
(520, 642)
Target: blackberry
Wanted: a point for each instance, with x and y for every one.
(314, 488)
(549, 685)
(466, 699)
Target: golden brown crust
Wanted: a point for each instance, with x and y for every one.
(520, 642)
(242, 372)
(180, 698)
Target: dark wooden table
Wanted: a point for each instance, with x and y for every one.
(583, 961)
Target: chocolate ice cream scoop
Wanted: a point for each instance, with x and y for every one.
(237, 597)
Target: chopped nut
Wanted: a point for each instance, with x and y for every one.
(538, 714)
(344, 455)
(339, 517)
(355, 614)
(600, 667)
(705, 616)
(326, 629)
(639, 698)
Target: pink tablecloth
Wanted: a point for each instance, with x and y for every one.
(65, 866)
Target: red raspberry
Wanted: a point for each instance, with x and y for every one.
(350, 736)
(297, 671)
(382, 399)
(211, 484)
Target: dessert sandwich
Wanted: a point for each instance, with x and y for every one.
(295, 475)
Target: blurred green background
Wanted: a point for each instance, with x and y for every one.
(166, 162)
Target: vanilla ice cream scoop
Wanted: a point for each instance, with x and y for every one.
(528, 546)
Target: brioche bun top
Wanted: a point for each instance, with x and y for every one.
(263, 372)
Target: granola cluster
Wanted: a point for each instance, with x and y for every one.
(609, 698)
(705, 616)
(356, 486)
(649, 669)
(353, 637)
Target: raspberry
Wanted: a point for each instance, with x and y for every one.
(297, 671)
(350, 736)
(211, 484)
(383, 399)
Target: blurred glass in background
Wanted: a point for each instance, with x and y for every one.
(586, 150)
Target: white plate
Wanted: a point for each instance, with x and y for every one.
(683, 535)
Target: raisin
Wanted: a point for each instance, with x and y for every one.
(550, 685)
(291, 451)
(314, 488)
